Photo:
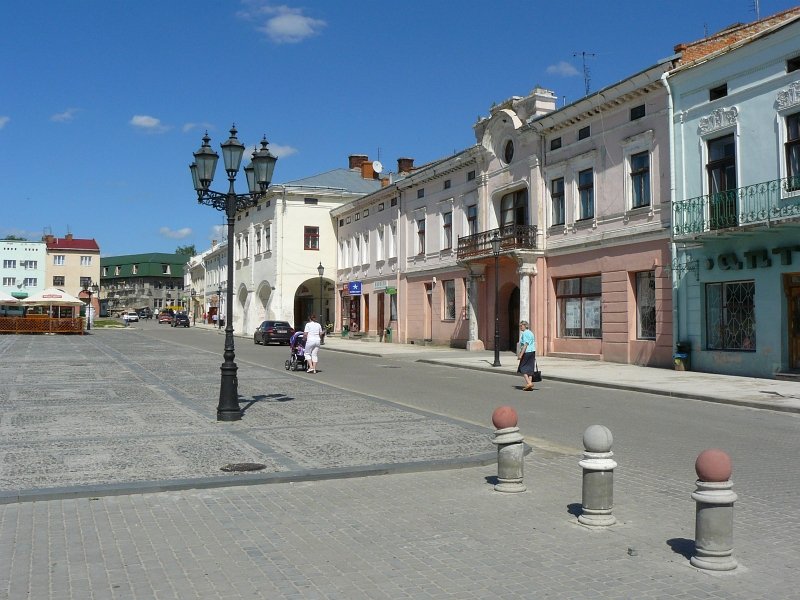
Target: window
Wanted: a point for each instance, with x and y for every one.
(508, 152)
(449, 300)
(793, 151)
(267, 237)
(793, 64)
(8, 281)
(58, 280)
(165, 270)
(447, 231)
(258, 241)
(341, 222)
(557, 196)
(393, 202)
(514, 208)
(358, 216)
(381, 206)
(29, 264)
(586, 193)
(9, 264)
(718, 92)
(447, 184)
(470, 175)
(472, 219)
(311, 238)
(116, 270)
(555, 143)
(58, 260)
(584, 132)
(640, 179)
(637, 112)
(31, 281)
(135, 269)
(421, 193)
(722, 182)
(731, 316)
(393, 240)
(86, 282)
(105, 271)
(380, 249)
(393, 307)
(310, 201)
(646, 305)
(357, 250)
(421, 236)
(366, 212)
(365, 249)
(86, 261)
(578, 301)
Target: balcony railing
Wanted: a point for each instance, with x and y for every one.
(752, 204)
(512, 237)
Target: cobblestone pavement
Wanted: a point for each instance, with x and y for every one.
(428, 534)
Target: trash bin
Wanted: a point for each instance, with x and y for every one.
(682, 357)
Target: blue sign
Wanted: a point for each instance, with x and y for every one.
(354, 288)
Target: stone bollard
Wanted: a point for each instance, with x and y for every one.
(510, 450)
(714, 495)
(598, 477)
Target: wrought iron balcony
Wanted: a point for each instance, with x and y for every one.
(760, 203)
(512, 237)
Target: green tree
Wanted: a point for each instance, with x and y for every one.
(16, 238)
(186, 250)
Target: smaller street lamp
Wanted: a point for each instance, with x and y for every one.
(90, 288)
(496, 252)
(219, 305)
(321, 271)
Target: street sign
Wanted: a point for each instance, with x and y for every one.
(354, 288)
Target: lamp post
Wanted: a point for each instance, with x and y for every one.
(194, 307)
(496, 252)
(90, 288)
(321, 271)
(219, 305)
(259, 175)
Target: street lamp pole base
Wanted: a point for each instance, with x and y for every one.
(228, 408)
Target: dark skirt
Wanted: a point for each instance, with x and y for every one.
(528, 363)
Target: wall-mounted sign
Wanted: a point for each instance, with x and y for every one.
(391, 290)
(354, 288)
(380, 285)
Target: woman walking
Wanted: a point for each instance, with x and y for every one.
(526, 355)
(313, 336)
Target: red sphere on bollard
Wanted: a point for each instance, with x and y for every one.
(713, 465)
(504, 417)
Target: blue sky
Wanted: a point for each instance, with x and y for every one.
(102, 102)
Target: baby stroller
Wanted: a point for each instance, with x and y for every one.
(297, 356)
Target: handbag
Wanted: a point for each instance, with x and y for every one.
(537, 374)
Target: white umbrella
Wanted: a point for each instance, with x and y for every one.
(7, 298)
(52, 297)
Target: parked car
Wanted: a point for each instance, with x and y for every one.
(145, 313)
(130, 316)
(164, 317)
(180, 320)
(273, 331)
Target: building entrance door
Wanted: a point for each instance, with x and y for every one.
(366, 315)
(381, 325)
(791, 285)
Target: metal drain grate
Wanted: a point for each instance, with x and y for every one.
(243, 467)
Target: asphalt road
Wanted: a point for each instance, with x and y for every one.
(651, 432)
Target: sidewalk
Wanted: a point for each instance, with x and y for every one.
(771, 394)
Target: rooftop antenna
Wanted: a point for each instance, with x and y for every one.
(586, 77)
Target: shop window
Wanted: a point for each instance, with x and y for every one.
(730, 316)
(579, 307)
(311, 238)
(449, 287)
(646, 305)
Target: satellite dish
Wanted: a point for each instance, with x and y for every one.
(377, 166)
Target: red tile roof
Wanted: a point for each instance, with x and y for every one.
(71, 244)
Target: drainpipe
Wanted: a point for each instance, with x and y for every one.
(672, 245)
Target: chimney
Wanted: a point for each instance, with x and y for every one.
(384, 182)
(405, 165)
(68, 236)
(48, 239)
(367, 172)
(213, 243)
(356, 160)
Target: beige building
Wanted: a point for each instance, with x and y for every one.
(72, 265)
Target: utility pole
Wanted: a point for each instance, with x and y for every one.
(586, 77)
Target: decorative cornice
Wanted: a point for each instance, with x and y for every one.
(718, 119)
(789, 97)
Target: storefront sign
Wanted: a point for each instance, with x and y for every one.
(354, 288)
(391, 290)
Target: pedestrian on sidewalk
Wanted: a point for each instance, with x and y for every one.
(526, 355)
(313, 336)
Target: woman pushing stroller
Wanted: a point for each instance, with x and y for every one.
(313, 334)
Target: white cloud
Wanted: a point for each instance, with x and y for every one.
(563, 68)
(64, 117)
(4, 121)
(148, 123)
(281, 151)
(218, 233)
(187, 127)
(284, 25)
(178, 234)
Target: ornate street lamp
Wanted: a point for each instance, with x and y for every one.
(259, 175)
(496, 252)
(321, 271)
(90, 288)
